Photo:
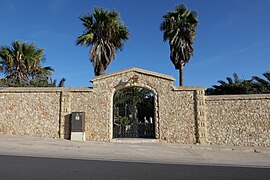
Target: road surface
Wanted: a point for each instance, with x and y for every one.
(25, 168)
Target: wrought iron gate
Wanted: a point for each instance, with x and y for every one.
(133, 113)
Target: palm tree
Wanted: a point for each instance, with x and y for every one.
(233, 85)
(179, 28)
(262, 85)
(21, 62)
(105, 33)
(33, 57)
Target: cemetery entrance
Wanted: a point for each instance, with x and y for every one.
(133, 113)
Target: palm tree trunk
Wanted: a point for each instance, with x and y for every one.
(181, 75)
(100, 70)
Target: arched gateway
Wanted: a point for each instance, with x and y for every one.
(134, 113)
(136, 103)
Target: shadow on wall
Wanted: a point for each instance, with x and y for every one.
(196, 125)
(67, 126)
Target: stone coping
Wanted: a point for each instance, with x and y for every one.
(188, 88)
(237, 97)
(42, 89)
(133, 69)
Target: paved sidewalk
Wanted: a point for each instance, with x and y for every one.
(152, 152)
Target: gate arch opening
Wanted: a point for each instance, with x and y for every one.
(134, 113)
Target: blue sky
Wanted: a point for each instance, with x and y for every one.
(232, 36)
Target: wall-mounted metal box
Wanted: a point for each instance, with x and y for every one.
(77, 122)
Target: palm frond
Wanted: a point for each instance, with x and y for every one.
(260, 80)
(62, 82)
(236, 78)
(230, 81)
(267, 76)
(85, 39)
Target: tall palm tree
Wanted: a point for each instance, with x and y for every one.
(22, 62)
(105, 33)
(179, 28)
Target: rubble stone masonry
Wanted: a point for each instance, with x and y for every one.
(182, 114)
(30, 112)
(241, 120)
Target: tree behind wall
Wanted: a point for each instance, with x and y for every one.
(179, 29)
(21, 64)
(262, 84)
(235, 85)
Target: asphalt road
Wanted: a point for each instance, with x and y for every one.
(25, 168)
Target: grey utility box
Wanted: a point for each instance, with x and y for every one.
(77, 126)
(77, 121)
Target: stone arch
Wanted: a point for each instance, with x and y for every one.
(122, 86)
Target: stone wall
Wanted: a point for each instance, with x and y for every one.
(177, 115)
(182, 114)
(96, 109)
(241, 120)
(29, 112)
